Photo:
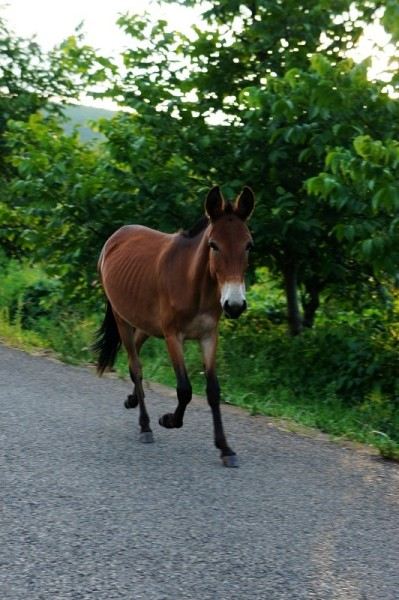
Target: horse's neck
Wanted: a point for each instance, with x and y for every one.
(199, 270)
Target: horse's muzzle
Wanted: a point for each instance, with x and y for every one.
(233, 311)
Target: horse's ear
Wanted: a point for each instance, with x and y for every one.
(245, 204)
(214, 204)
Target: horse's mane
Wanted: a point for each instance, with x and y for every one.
(197, 228)
(204, 222)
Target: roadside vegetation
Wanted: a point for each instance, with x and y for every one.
(294, 118)
(340, 376)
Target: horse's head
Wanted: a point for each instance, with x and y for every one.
(229, 241)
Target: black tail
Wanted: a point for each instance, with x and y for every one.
(107, 342)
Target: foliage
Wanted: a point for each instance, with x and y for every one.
(55, 192)
(270, 121)
(336, 377)
(68, 197)
(15, 280)
(281, 114)
(362, 184)
(261, 94)
(31, 79)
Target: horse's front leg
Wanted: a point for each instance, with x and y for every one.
(183, 388)
(208, 347)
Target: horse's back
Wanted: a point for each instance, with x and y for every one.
(128, 267)
(133, 240)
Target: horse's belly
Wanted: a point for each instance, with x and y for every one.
(139, 310)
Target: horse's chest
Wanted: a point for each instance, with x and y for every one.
(199, 326)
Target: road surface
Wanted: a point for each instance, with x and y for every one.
(88, 512)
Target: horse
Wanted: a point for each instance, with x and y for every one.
(176, 287)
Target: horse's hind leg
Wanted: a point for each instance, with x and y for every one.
(133, 340)
(183, 389)
(139, 337)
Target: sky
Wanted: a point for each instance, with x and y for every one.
(51, 22)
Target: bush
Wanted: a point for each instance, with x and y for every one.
(350, 362)
(341, 376)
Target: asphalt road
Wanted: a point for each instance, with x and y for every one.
(88, 512)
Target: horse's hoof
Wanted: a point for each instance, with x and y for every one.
(167, 421)
(146, 437)
(131, 401)
(230, 460)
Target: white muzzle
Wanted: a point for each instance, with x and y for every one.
(232, 298)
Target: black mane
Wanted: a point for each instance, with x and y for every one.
(197, 228)
(204, 221)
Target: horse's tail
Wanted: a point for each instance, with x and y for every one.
(107, 342)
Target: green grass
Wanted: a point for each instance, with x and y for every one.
(338, 378)
(244, 380)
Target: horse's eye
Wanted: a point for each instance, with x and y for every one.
(214, 246)
(249, 246)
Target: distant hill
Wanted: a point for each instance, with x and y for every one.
(80, 116)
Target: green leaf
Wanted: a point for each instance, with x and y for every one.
(390, 20)
(283, 108)
(320, 64)
(367, 248)
(387, 198)
(251, 96)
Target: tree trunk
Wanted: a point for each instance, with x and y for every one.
(311, 303)
(291, 292)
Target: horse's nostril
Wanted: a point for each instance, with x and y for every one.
(233, 311)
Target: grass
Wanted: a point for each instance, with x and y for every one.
(14, 335)
(340, 380)
(244, 381)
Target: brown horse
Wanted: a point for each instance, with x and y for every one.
(176, 286)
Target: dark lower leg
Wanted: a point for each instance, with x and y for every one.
(144, 419)
(132, 400)
(137, 398)
(175, 348)
(213, 395)
(139, 337)
(184, 394)
(133, 340)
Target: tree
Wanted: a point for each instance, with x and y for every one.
(277, 78)
(280, 115)
(31, 81)
(67, 197)
(362, 183)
